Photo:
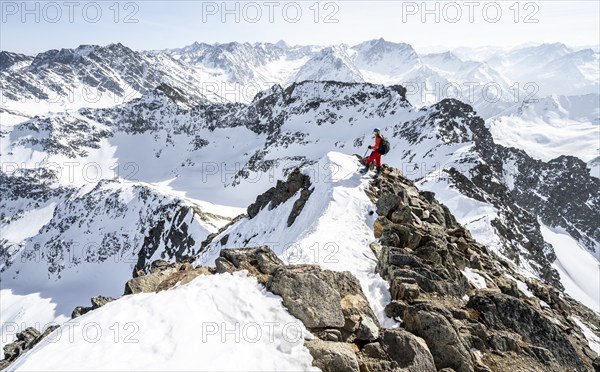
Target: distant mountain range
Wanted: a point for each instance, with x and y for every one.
(113, 158)
(98, 76)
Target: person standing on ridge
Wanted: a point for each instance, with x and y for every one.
(375, 154)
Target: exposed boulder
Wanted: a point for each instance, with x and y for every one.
(97, 302)
(409, 351)
(144, 284)
(332, 356)
(307, 296)
(443, 340)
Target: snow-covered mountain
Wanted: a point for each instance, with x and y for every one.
(238, 71)
(553, 126)
(211, 151)
(549, 66)
(384, 59)
(491, 82)
(10, 60)
(88, 76)
(331, 64)
(327, 296)
(162, 161)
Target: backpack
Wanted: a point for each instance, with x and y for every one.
(384, 146)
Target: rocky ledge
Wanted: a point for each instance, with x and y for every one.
(472, 309)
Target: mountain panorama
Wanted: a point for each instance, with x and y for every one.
(209, 208)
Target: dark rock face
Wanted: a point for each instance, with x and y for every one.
(281, 193)
(176, 239)
(504, 312)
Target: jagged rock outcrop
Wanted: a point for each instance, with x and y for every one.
(283, 191)
(163, 275)
(261, 262)
(26, 340)
(97, 302)
(463, 300)
(461, 307)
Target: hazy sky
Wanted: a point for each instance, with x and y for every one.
(34, 26)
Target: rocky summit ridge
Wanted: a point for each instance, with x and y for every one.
(458, 306)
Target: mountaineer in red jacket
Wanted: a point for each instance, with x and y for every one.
(375, 154)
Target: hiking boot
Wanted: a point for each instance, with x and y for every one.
(364, 170)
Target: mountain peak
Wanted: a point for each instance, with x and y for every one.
(282, 44)
(331, 63)
(9, 59)
(383, 45)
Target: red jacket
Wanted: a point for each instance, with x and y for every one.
(377, 143)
